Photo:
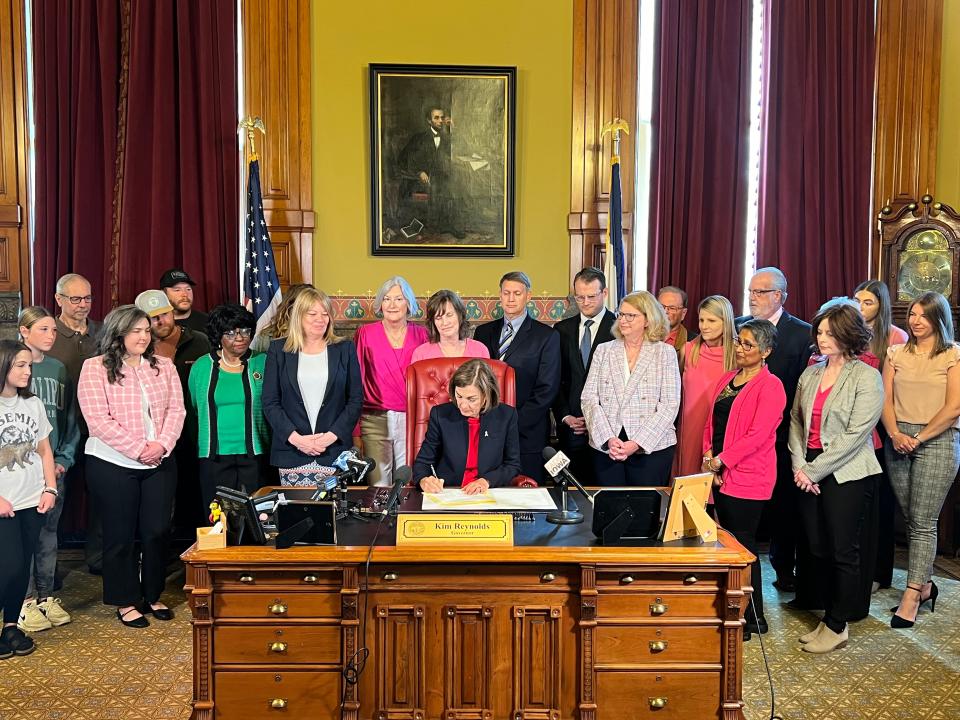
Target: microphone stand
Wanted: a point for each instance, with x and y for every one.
(565, 516)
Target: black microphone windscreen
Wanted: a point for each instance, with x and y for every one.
(548, 452)
(403, 475)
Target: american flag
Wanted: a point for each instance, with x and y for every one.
(261, 286)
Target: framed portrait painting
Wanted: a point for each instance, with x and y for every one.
(442, 156)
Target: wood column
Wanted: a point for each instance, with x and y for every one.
(14, 206)
(908, 104)
(276, 86)
(605, 37)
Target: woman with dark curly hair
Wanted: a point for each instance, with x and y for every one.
(837, 405)
(225, 387)
(133, 405)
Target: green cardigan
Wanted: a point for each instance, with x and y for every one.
(203, 384)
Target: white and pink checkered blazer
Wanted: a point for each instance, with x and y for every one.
(114, 412)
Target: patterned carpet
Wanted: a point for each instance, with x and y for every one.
(94, 668)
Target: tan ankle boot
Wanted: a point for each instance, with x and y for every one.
(812, 634)
(827, 641)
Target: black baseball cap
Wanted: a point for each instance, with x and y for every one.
(173, 277)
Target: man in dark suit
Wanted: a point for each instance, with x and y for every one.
(768, 293)
(532, 349)
(579, 336)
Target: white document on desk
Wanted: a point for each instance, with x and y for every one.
(494, 499)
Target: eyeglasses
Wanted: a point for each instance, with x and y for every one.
(582, 299)
(628, 317)
(239, 332)
(77, 299)
(673, 308)
(745, 344)
(758, 293)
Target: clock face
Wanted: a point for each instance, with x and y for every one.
(925, 266)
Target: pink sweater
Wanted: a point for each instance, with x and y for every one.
(749, 455)
(429, 351)
(383, 368)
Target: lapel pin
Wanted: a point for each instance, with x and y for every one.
(486, 434)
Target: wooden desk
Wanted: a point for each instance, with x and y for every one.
(556, 627)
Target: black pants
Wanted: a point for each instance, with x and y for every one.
(135, 505)
(742, 518)
(577, 448)
(18, 538)
(237, 472)
(833, 521)
(531, 465)
(887, 508)
(638, 470)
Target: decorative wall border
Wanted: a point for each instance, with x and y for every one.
(358, 309)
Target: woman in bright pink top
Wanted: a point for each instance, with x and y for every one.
(385, 349)
(705, 359)
(447, 328)
(739, 445)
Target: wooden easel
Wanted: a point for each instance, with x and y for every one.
(687, 516)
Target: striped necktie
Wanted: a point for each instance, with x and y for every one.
(505, 340)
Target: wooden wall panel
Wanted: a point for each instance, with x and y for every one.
(14, 258)
(908, 103)
(276, 47)
(605, 36)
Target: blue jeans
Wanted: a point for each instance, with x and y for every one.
(43, 569)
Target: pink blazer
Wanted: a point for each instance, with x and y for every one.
(749, 455)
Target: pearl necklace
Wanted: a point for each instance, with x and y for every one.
(238, 363)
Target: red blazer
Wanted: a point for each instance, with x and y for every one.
(749, 455)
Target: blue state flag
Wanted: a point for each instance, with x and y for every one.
(615, 263)
(261, 285)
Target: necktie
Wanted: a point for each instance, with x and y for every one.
(505, 340)
(586, 342)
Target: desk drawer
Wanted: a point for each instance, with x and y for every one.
(685, 695)
(656, 644)
(479, 576)
(664, 605)
(228, 579)
(272, 644)
(270, 695)
(667, 580)
(279, 605)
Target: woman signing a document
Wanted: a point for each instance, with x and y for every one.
(472, 441)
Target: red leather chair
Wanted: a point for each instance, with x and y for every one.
(428, 382)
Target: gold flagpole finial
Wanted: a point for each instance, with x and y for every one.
(615, 126)
(251, 123)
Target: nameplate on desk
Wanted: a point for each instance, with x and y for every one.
(455, 529)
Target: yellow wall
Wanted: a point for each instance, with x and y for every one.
(345, 38)
(948, 142)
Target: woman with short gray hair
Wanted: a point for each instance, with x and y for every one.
(385, 349)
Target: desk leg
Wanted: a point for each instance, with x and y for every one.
(587, 625)
(736, 599)
(350, 629)
(200, 597)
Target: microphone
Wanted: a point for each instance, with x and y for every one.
(352, 461)
(556, 464)
(401, 477)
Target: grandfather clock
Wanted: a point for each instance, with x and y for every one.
(919, 253)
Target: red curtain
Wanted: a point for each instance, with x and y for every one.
(815, 216)
(699, 171)
(172, 122)
(76, 60)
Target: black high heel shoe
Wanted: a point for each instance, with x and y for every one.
(931, 598)
(900, 623)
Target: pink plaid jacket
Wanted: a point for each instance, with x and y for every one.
(114, 413)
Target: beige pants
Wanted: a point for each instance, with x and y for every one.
(384, 434)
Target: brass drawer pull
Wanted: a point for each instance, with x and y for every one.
(658, 646)
(390, 576)
(246, 579)
(278, 608)
(658, 609)
(281, 647)
(690, 580)
(548, 577)
(626, 579)
(278, 704)
(657, 702)
(312, 579)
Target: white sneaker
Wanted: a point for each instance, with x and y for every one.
(53, 609)
(32, 618)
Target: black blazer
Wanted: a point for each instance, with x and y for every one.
(572, 372)
(534, 356)
(788, 360)
(284, 409)
(448, 436)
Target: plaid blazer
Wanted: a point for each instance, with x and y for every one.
(645, 405)
(114, 413)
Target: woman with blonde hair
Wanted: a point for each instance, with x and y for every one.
(385, 349)
(311, 391)
(631, 397)
(705, 359)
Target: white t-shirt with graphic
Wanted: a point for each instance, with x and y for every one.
(23, 424)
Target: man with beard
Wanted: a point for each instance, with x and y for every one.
(178, 287)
